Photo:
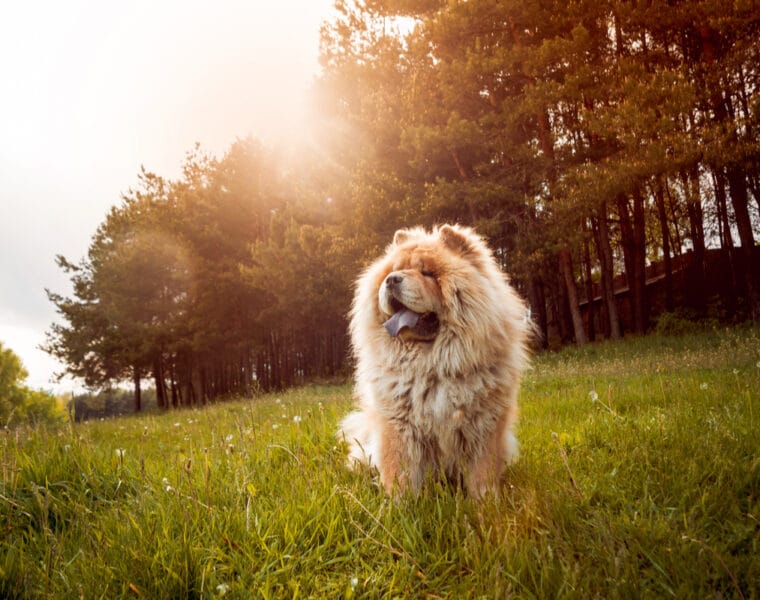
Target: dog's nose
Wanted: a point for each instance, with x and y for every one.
(393, 279)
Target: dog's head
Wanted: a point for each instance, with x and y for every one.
(427, 281)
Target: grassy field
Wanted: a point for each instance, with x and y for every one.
(639, 477)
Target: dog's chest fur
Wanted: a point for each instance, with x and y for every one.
(450, 413)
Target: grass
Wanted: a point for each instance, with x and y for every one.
(639, 477)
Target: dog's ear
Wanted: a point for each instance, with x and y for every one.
(455, 239)
(401, 236)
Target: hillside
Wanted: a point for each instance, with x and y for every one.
(639, 476)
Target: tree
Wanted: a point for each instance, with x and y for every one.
(19, 403)
(12, 373)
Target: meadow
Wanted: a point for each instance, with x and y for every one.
(639, 477)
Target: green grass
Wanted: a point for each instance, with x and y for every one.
(639, 477)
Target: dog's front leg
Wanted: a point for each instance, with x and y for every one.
(400, 459)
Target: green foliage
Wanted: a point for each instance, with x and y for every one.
(20, 404)
(107, 403)
(638, 477)
(683, 321)
(589, 136)
(11, 375)
(208, 285)
(570, 113)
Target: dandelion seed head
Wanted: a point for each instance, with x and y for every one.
(593, 395)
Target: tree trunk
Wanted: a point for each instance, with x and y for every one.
(158, 377)
(591, 311)
(641, 311)
(173, 387)
(634, 255)
(138, 392)
(739, 200)
(659, 198)
(560, 309)
(566, 268)
(730, 296)
(719, 185)
(538, 303)
(604, 251)
(697, 233)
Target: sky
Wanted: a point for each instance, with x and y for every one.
(92, 90)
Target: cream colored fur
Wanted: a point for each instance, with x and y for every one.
(447, 405)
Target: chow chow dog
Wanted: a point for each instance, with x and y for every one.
(439, 338)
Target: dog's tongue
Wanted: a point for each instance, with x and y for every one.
(401, 319)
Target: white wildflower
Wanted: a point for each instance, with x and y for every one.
(354, 582)
(275, 426)
(120, 452)
(736, 371)
(297, 419)
(229, 438)
(222, 589)
(176, 424)
(593, 395)
(703, 386)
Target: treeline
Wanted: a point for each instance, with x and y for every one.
(210, 285)
(584, 139)
(107, 403)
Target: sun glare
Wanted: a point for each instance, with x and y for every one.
(94, 90)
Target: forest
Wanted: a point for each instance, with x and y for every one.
(587, 141)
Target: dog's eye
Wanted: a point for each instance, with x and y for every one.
(427, 273)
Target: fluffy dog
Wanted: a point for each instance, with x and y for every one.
(439, 338)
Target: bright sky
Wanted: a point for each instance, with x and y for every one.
(90, 90)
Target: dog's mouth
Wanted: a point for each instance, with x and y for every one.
(406, 322)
